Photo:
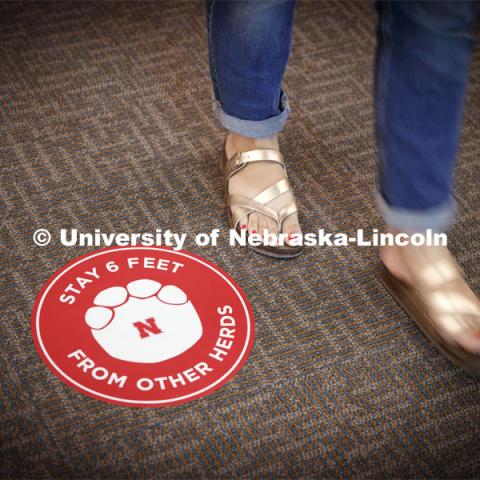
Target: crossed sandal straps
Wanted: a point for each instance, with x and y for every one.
(240, 206)
(442, 308)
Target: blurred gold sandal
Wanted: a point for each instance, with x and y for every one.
(442, 310)
(239, 206)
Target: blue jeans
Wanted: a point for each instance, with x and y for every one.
(422, 59)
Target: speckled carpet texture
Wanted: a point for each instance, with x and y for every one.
(106, 123)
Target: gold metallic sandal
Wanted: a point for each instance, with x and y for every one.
(239, 206)
(439, 310)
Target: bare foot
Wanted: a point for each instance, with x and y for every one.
(433, 270)
(254, 178)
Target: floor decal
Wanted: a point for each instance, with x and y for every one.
(143, 326)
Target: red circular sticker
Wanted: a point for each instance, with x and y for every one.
(143, 326)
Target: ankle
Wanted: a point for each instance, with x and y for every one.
(396, 261)
(239, 143)
(391, 257)
(405, 261)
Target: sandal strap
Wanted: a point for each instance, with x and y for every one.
(285, 212)
(452, 302)
(439, 273)
(240, 159)
(251, 205)
(237, 213)
(242, 206)
(459, 318)
(455, 323)
(260, 203)
(454, 310)
(273, 191)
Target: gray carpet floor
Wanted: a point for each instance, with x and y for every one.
(106, 123)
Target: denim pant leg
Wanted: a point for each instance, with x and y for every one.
(249, 43)
(423, 55)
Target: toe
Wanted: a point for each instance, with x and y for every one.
(252, 223)
(470, 341)
(243, 223)
(143, 288)
(262, 225)
(111, 297)
(172, 295)
(272, 229)
(461, 329)
(272, 226)
(292, 229)
(98, 317)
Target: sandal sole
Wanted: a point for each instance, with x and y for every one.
(412, 304)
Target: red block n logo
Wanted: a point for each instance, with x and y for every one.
(147, 327)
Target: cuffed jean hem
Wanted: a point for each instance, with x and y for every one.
(438, 219)
(254, 128)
